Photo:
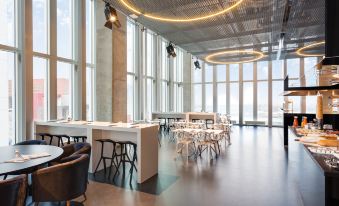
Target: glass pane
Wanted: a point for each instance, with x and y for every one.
(164, 60)
(178, 66)
(40, 67)
(7, 22)
(197, 73)
(130, 47)
(221, 73)
(293, 68)
(277, 102)
(7, 98)
(89, 94)
(197, 98)
(177, 98)
(222, 98)
(311, 104)
(262, 70)
(64, 90)
(310, 71)
(149, 98)
(208, 73)
(247, 71)
(248, 101)
(150, 54)
(89, 31)
(278, 69)
(296, 103)
(262, 101)
(65, 28)
(164, 96)
(209, 97)
(234, 72)
(234, 102)
(40, 26)
(130, 97)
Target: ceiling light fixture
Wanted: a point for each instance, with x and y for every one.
(301, 51)
(111, 17)
(258, 55)
(168, 19)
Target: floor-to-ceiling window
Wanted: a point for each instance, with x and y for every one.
(293, 72)
(248, 92)
(66, 58)
(8, 62)
(262, 91)
(177, 81)
(197, 89)
(40, 20)
(234, 92)
(208, 88)
(90, 60)
(277, 89)
(150, 74)
(131, 71)
(164, 97)
(221, 89)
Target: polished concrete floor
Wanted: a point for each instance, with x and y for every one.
(256, 170)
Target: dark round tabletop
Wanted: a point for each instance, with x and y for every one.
(8, 153)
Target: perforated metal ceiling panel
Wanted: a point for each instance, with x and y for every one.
(254, 24)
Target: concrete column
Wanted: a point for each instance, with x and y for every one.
(104, 72)
(27, 75)
(119, 71)
(187, 76)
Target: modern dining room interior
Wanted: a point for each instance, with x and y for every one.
(169, 103)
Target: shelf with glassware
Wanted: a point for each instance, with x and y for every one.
(325, 114)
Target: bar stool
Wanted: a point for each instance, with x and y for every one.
(124, 158)
(60, 140)
(43, 135)
(77, 138)
(104, 158)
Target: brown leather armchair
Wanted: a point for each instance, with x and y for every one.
(75, 149)
(13, 191)
(61, 182)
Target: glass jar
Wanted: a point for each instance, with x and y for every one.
(295, 122)
(304, 122)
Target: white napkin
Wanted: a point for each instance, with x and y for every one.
(25, 158)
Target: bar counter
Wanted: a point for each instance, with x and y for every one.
(144, 135)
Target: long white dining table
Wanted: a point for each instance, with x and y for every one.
(144, 135)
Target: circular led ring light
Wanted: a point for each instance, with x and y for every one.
(258, 55)
(301, 50)
(137, 11)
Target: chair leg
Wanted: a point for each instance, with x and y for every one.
(36, 204)
(97, 165)
(85, 197)
(68, 203)
(5, 177)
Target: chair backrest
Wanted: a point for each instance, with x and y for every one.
(32, 142)
(61, 182)
(13, 191)
(75, 149)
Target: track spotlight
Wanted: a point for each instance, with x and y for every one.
(170, 50)
(197, 64)
(111, 17)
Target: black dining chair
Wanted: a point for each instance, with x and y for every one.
(13, 191)
(61, 182)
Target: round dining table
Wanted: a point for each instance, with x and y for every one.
(8, 153)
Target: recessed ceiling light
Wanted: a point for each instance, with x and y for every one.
(169, 19)
(257, 55)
